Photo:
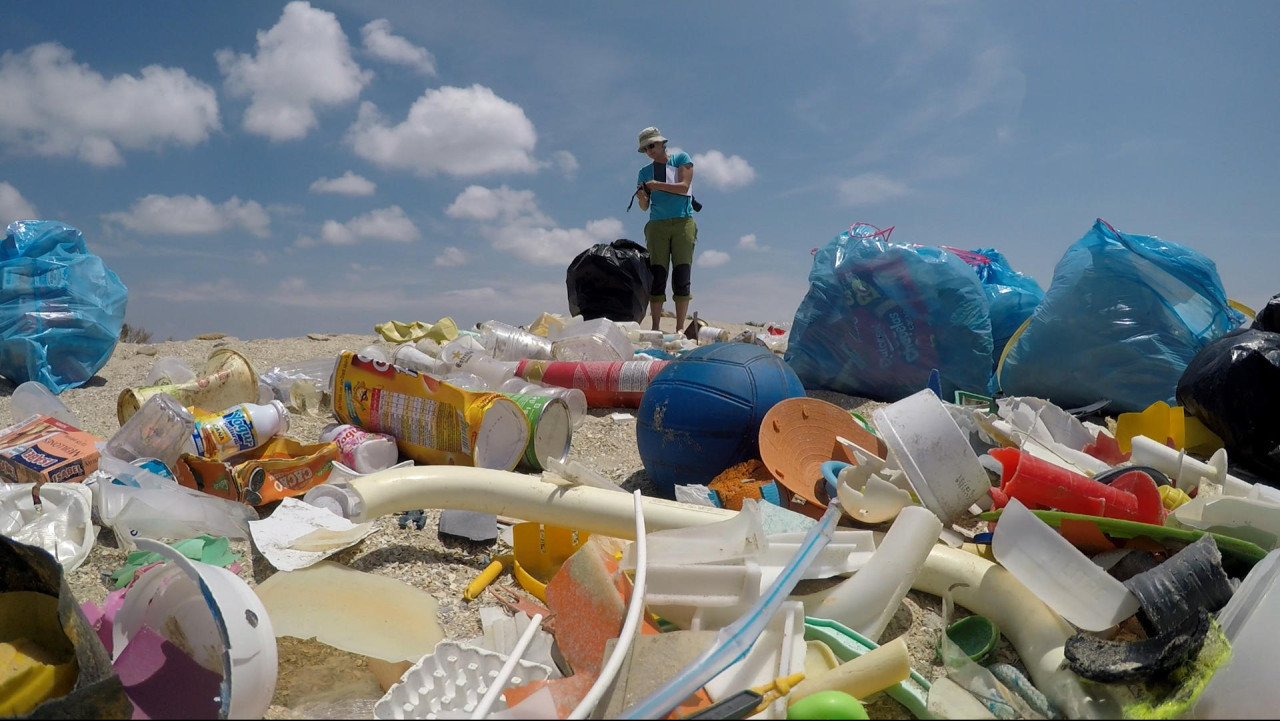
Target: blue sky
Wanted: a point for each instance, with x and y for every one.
(275, 169)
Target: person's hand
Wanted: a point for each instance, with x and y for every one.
(647, 189)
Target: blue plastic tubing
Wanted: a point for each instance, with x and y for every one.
(733, 641)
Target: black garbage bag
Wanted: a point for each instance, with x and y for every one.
(1269, 317)
(610, 280)
(1232, 385)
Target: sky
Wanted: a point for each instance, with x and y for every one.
(268, 169)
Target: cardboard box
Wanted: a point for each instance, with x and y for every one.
(42, 449)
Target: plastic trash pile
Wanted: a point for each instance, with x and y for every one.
(1087, 565)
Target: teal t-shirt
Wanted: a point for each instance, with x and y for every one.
(664, 205)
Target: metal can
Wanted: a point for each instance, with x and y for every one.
(550, 426)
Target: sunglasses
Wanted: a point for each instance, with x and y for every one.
(651, 146)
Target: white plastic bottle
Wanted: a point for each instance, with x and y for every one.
(362, 451)
(238, 429)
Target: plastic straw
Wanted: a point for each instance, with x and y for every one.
(634, 611)
(500, 682)
(734, 641)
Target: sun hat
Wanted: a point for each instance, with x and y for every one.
(650, 135)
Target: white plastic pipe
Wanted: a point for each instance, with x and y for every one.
(867, 600)
(635, 610)
(500, 682)
(520, 496)
(1036, 632)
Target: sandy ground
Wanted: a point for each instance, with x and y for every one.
(443, 567)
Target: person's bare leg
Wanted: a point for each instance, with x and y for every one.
(655, 309)
(682, 309)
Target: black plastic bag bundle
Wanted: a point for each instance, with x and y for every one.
(610, 280)
(1233, 386)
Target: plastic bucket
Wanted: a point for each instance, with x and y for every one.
(933, 452)
(214, 614)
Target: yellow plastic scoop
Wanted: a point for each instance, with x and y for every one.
(540, 551)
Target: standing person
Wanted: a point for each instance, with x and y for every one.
(663, 189)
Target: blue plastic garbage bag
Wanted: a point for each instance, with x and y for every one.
(879, 316)
(1011, 296)
(61, 308)
(1122, 318)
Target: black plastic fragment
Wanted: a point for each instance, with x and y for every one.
(1106, 661)
(1190, 580)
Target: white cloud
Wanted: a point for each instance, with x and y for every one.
(871, 188)
(721, 172)
(553, 246)
(712, 258)
(191, 215)
(480, 203)
(55, 107)
(302, 62)
(348, 184)
(513, 223)
(451, 256)
(749, 242)
(459, 131)
(380, 43)
(389, 224)
(13, 206)
(565, 160)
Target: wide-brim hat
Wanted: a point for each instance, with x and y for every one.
(650, 135)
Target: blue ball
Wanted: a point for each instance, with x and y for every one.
(701, 413)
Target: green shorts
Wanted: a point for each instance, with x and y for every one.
(670, 243)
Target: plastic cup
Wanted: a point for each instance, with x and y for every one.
(170, 370)
(34, 397)
(159, 429)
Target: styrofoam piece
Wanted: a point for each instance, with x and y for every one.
(709, 585)
(1245, 687)
(1058, 573)
(737, 537)
(211, 613)
(62, 525)
(778, 651)
(450, 681)
(939, 462)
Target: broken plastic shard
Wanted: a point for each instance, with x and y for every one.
(1116, 661)
(1190, 580)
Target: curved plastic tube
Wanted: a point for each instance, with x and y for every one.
(867, 600)
(734, 641)
(635, 610)
(520, 496)
(499, 683)
(1036, 632)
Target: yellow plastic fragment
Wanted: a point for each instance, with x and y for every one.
(1173, 497)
